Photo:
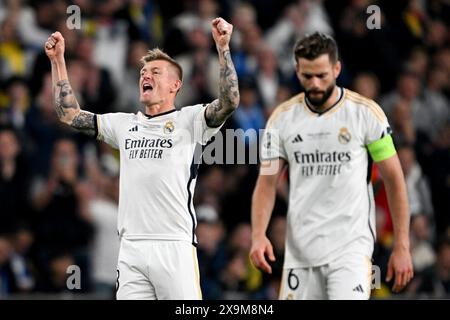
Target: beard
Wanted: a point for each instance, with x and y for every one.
(319, 101)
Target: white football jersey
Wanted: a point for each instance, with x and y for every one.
(331, 206)
(157, 170)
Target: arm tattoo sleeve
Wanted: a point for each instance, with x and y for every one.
(219, 110)
(85, 122)
(64, 99)
(68, 109)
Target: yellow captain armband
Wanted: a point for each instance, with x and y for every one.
(382, 149)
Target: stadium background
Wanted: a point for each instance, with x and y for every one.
(59, 189)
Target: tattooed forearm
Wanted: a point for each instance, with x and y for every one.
(219, 110)
(68, 109)
(84, 121)
(66, 104)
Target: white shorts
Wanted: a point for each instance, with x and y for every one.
(157, 270)
(346, 278)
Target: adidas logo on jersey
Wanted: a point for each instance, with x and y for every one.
(135, 128)
(358, 288)
(298, 138)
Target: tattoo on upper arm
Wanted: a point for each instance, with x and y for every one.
(85, 122)
(212, 112)
(219, 110)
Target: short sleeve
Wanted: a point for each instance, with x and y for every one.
(108, 127)
(378, 138)
(203, 132)
(376, 124)
(272, 145)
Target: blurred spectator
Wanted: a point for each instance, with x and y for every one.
(418, 62)
(367, 84)
(428, 112)
(421, 249)
(18, 104)
(284, 93)
(418, 190)
(402, 123)
(438, 107)
(434, 282)
(41, 65)
(129, 91)
(145, 21)
(364, 49)
(200, 70)
(268, 77)
(111, 38)
(233, 278)
(438, 171)
(245, 59)
(298, 19)
(7, 281)
(97, 87)
(249, 115)
(43, 127)
(12, 54)
(15, 269)
(240, 279)
(243, 17)
(197, 14)
(14, 183)
(210, 251)
(437, 35)
(30, 32)
(212, 182)
(438, 80)
(102, 210)
(236, 204)
(63, 230)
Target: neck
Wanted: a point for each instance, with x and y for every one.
(329, 103)
(155, 109)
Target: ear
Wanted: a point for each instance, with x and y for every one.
(176, 85)
(297, 69)
(337, 69)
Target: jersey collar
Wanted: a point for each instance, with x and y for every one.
(311, 108)
(159, 114)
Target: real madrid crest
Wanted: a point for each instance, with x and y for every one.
(344, 136)
(169, 127)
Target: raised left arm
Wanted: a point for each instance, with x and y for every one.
(400, 263)
(220, 109)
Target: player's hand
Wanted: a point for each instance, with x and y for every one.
(400, 266)
(221, 32)
(54, 46)
(261, 248)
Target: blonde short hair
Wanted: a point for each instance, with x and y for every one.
(158, 54)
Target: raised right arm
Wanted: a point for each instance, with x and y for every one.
(66, 104)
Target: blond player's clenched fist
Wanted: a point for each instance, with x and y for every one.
(54, 46)
(221, 32)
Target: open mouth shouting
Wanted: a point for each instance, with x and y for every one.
(146, 87)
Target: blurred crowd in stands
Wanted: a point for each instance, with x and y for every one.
(59, 189)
